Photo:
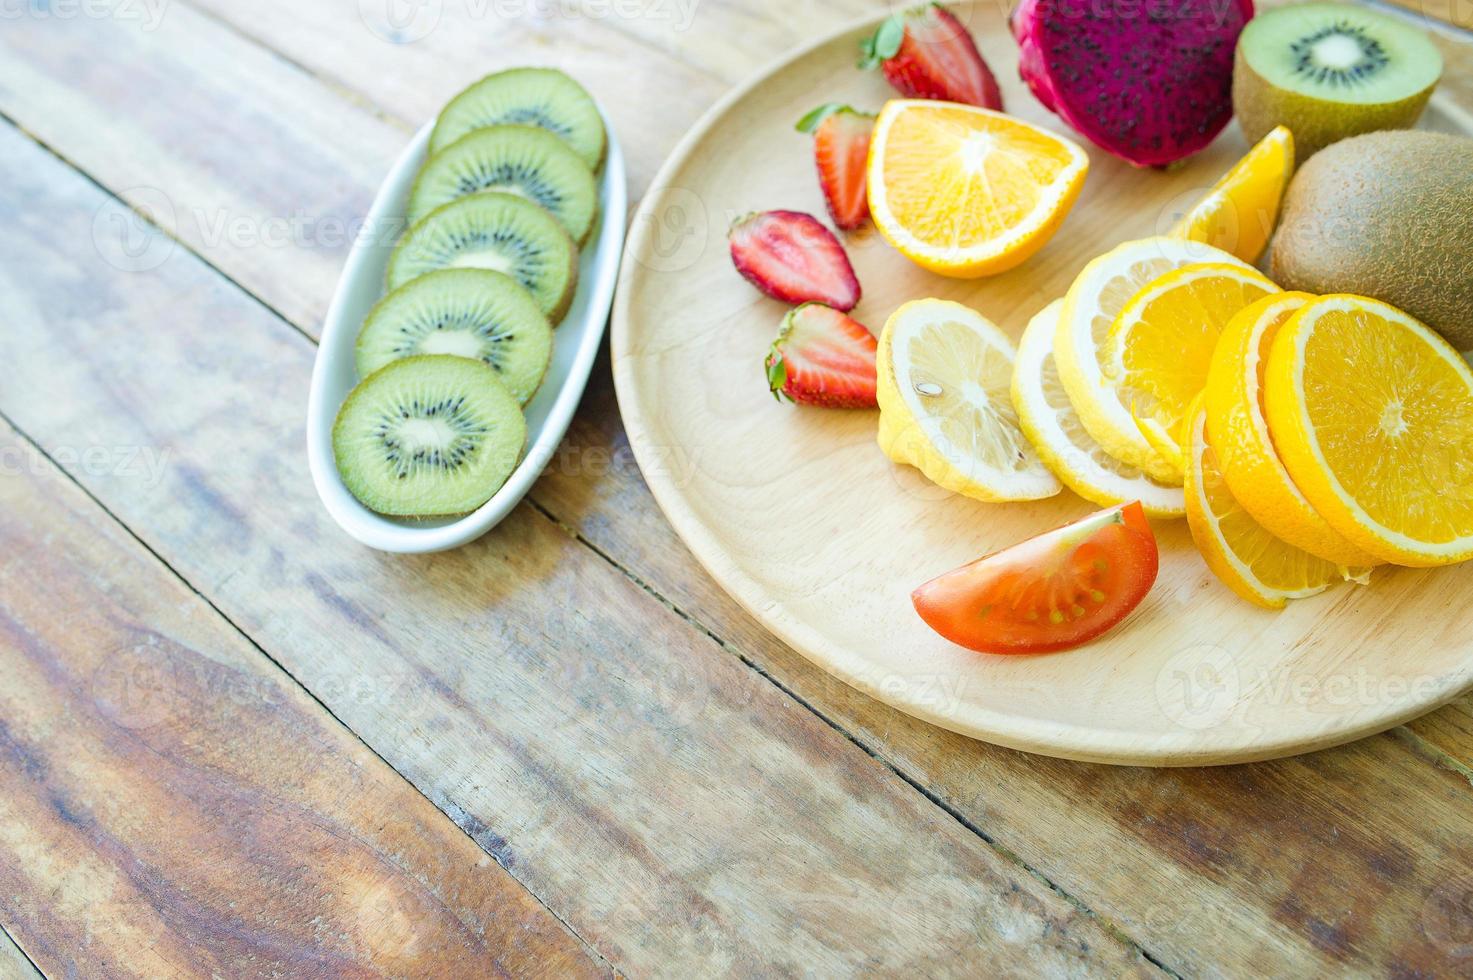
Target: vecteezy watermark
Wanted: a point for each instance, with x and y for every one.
(148, 14)
(145, 463)
(1447, 917)
(1198, 686)
(139, 236)
(408, 21)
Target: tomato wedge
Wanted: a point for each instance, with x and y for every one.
(1053, 592)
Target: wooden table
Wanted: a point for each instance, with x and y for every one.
(232, 742)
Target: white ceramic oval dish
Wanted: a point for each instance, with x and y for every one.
(575, 344)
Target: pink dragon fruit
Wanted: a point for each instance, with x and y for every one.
(1147, 80)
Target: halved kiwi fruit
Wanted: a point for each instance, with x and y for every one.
(543, 97)
(428, 436)
(497, 231)
(521, 160)
(1328, 71)
(471, 313)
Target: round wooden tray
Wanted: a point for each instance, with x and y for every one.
(798, 514)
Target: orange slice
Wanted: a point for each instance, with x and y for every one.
(1239, 213)
(968, 192)
(1372, 413)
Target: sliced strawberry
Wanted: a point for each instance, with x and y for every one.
(926, 53)
(840, 148)
(822, 357)
(790, 256)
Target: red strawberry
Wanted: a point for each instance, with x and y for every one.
(926, 53)
(840, 148)
(790, 256)
(822, 357)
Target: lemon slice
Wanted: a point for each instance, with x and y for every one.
(1239, 213)
(943, 376)
(1051, 424)
(1372, 414)
(1161, 344)
(1239, 431)
(1098, 294)
(1240, 551)
(968, 192)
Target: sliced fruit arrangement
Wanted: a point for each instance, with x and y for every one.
(1331, 70)
(944, 374)
(1244, 449)
(1052, 592)
(1160, 345)
(501, 232)
(427, 436)
(840, 148)
(1240, 211)
(522, 160)
(471, 313)
(822, 357)
(487, 268)
(792, 257)
(926, 53)
(1373, 414)
(543, 97)
(1386, 215)
(1148, 84)
(1098, 295)
(1244, 555)
(1048, 419)
(968, 192)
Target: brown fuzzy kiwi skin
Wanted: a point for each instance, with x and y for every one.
(1260, 106)
(1385, 215)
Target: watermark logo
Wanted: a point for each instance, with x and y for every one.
(400, 21)
(1198, 687)
(1447, 917)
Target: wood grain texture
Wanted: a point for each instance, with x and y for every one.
(13, 963)
(673, 806)
(171, 804)
(1143, 872)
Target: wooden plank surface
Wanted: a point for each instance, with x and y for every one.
(13, 963)
(671, 804)
(171, 804)
(1153, 854)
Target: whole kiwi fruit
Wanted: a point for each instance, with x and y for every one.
(1387, 215)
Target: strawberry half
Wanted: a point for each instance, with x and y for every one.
(926, 53)
(822, 357)
(790, 256)
(840, 148)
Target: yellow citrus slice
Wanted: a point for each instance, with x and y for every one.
(1239, 213)
(1099, 292)
(944, 372)
(1372, 414)
(1239, 432)
(1051, 424)
(968, 192)
(1240, 551)
(1162, 341)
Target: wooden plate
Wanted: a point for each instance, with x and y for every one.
(798, 515)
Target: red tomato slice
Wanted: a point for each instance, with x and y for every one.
(1053, 592)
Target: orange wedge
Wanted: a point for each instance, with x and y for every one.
(968, 192)
(1239, 213)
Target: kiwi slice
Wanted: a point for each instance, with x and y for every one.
(1328, 71)
(543, 97)
(428, 436)
(471, 313)
(497, 231)
(520, 160)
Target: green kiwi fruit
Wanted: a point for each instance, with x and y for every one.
(473, 313)
(543, 97)
(428, 436)
(501, 232)
(1385, 215)
(520, 160)
(1328, 71)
